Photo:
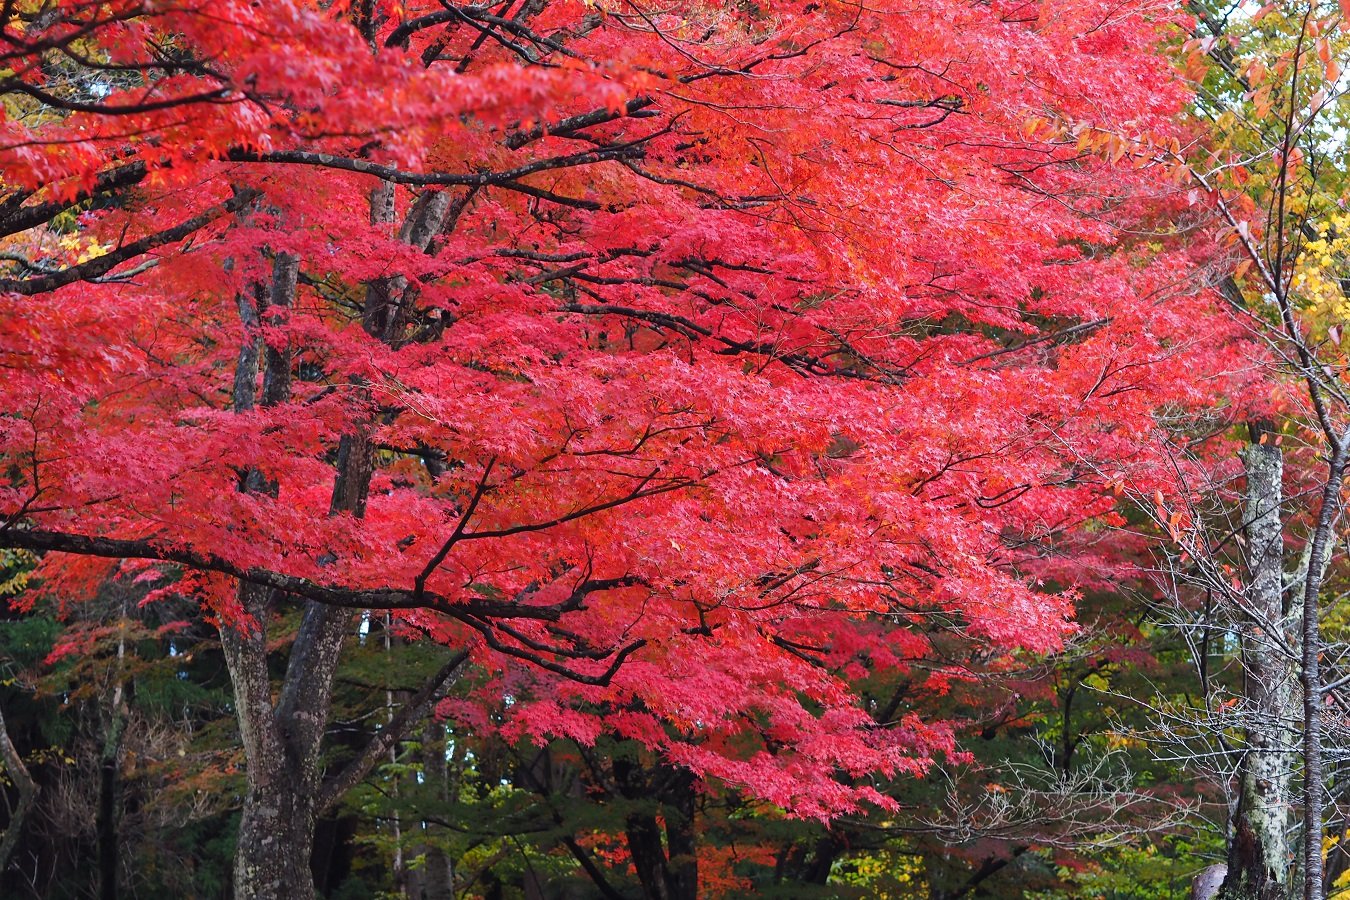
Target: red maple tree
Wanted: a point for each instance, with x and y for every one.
(698, 356)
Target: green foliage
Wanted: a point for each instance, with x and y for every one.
(1147, 870)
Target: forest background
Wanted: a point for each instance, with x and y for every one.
(592, 448)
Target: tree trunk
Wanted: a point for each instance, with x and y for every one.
(435, 877)
(681, 838)
(106, 825)
(1259, 850)
(668, 870)
(822, 859)
(276, 830)
(282, 746)
(275, 842)
(1205, 886)
(1314, 787)
(17, 773)
(283, 740)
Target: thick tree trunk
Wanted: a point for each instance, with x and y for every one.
(1205, 886)
(275, 842)
(282, 745)
(1259, 850)
(276, 830)
(822, 859)
(283, 739)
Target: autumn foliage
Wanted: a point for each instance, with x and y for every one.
(687, 364)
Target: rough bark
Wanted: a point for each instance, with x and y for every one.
(276, 823)
(1259, 851)
(283, 738)
(273, 847)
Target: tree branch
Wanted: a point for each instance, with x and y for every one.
(101, 265)
(349, 598)
(412, 711)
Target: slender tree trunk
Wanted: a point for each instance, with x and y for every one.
(1314, 788)
(110, 757)
(434, 879)
(1259, 852)
(395, 823)
(18, 773)
(106, 823)
(987, 869)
